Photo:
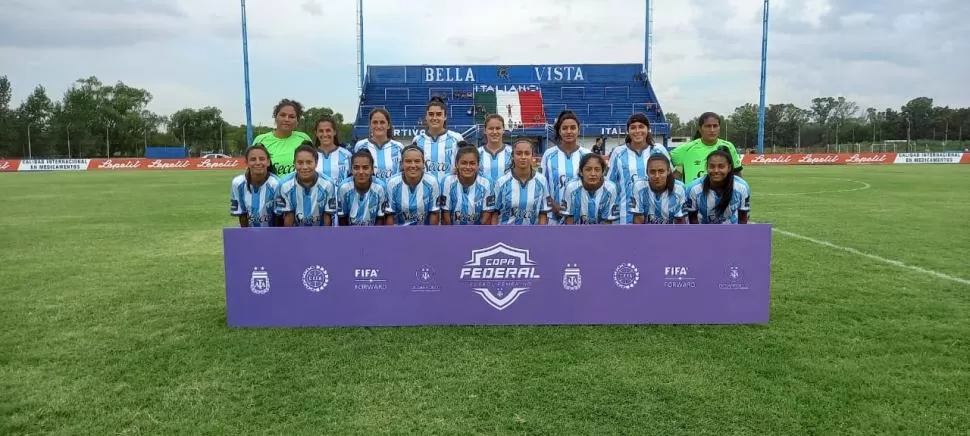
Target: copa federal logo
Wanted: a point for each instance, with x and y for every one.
(500, 274)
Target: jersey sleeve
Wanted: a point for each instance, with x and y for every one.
(734, 157)
(447, 201)
(499, 201)
(636, 199)
(745, 195)
(546, 195)
(613, 172)
(436, 195)
(381, 200)
(330, 198)
(677, 156)
(610, 209)
(343, 206)
(567, 207)
(489, 204)
(390, 206)
(236, 207)
(691, 199)
(679, 202)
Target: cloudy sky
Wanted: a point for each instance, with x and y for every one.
(187, 53)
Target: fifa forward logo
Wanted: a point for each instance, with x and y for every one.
(500, 274)
(259, 281)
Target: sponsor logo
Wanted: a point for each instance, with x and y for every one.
(425, 277)
(626, 276)
(572, 278)
(315, 278)
(119, 165)
(500, 274)
(867, 158)
(159, 164)
(259, 281)
(4, 165)
(767, 160)
(820, 159)
(734, 279)
(678, 277)
(369, 279)
(219, 164)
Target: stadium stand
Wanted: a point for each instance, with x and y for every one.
(529, 96)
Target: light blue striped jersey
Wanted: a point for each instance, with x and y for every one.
(335, 165)
(439, 152)
(662, 208)
(387, 157)
(521, 203)
(590, 207)
(560, 168)
(704, 205)
(413, 206)
(361, 209)
(308, 204)
(626, 167)
(257, 202)
(493, 166)
(465, 204)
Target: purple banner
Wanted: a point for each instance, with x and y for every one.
(498, 275)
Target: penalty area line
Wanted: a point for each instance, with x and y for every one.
(895, 263)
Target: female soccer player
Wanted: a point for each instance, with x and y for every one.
(721, 196)
(628, 162)
(334, 160)
(437, 142)
(496, 156)
(361, 200)
(660, 198)
(560, 164)
(386, 151)
(468, 196)
(521, 195)
(308, 199)
(690, 159)
(253, 194)
(591, 199)
(413, 194)
(284, 140)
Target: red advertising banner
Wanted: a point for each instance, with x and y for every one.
(820, 159)
(165, 164)
(9, 166)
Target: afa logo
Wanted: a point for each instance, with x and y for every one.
(259, 281)
(500, 274)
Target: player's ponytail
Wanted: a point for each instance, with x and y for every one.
(670, 174)
(727, 190)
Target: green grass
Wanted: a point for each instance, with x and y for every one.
(113, 317)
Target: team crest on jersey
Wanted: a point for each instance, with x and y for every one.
(500, 274)
(572, 278)
(259, 281)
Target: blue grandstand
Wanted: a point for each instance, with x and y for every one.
(603, 96)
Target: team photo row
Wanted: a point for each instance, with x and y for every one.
(439, 178)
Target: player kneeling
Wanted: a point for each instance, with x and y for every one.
(467, 196)
(308, 199)
(720, 197)
(521, 195)
(253, 194)
(659, 199)
(361, 198)
(591, 199)
(413, 194)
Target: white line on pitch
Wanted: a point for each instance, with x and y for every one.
(874, 257)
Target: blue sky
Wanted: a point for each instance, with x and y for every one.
(706, 52)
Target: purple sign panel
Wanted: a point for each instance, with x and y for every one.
(498, 275)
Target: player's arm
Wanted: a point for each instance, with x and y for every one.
(677, 161)
(489, 208)
(745, 208)
(434, 215)
(284, 206)
(738, 166)
(610, 211)
(235, 206)
(543, 220)
(544, 206)
(690, 206)
(445, 204)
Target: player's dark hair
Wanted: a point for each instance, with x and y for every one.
(670, 174)
(585, 160)
(297, 107)
(269, 161)
(563, 116)
(387, 116)
(308, 147)
(465, 147)
(364, 153)
(333, 125)
(726, 190)
(437, 101)
(639, 117)
(523, 139)
(702, 119)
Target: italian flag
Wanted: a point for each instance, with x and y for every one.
(517, 107)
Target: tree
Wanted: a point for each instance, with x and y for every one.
(33, 117)
(6, 119)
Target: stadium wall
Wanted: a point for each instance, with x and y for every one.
(31, 165)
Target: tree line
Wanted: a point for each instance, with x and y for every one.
(94, 119)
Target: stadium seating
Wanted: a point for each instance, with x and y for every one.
(603, 99)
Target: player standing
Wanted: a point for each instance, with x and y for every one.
(386, 151)
(721, 196)
(361, 200)
(496, 156)
(333, 160)
(660, 198)
(309, 198)
(591, 199)
(521, 195)
(437, 142)
(690, 159)
(560, 164)
(283, 141)
(253, 194)
(412, 194)
(628, 162)
(468, 197)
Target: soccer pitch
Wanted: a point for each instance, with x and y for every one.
(113, 317)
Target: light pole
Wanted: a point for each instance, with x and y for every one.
(30, 150)
(764, 73)
(245, 47)
(68, 140)
(107, 136)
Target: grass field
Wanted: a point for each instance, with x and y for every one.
(113, 322)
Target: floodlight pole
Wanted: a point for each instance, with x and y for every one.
(245, 47)
(764, 73)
